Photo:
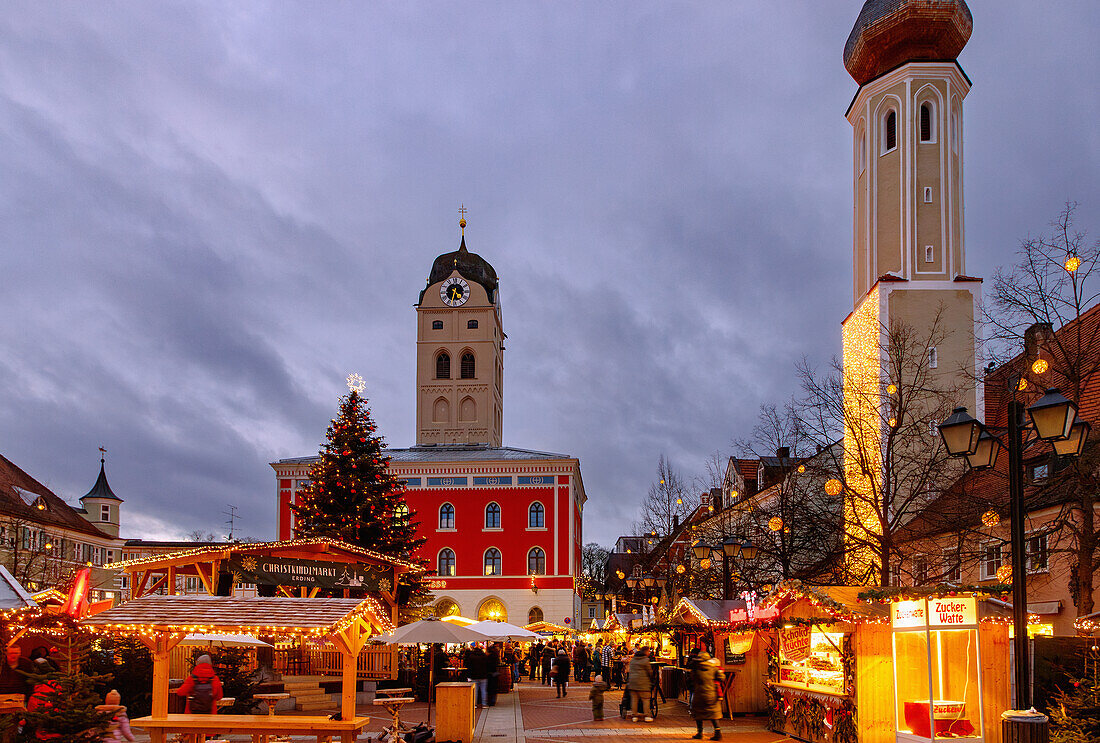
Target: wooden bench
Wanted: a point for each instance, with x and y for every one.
(260, 727)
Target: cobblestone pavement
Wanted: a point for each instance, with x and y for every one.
(536, 715)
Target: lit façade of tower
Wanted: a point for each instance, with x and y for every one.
(908, 241)
(460, 352)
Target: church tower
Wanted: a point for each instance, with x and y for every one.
(460, 352)
(908, 237)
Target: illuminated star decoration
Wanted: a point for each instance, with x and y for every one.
(356, 383)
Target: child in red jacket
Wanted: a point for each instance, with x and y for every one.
(202, 688)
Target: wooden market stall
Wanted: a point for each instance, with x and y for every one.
(886, 665)
(161, 622)
(305, 568)
(723, 629)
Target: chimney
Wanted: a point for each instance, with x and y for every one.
(783, 452)
(675, 521)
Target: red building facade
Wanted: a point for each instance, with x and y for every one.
(503, 526)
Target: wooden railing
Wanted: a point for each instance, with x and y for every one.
(377, 662)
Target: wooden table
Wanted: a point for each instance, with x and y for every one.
(271, 699)
(393, 705)
(394, 692)
(260, 727)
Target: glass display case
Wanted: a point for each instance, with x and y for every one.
(811, 659)
(936, 670)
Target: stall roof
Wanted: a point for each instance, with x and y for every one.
(314, 547)
(706, 611)
(236, 615)
(12, 595)
(838, 602)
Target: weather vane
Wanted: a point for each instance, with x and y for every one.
(356, 383)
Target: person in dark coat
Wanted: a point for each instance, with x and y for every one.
(13, 672)
(639, 683)
(534, 655)
(548, 654)
(561, 672)
(705, 705)
(494, 672)
(477, 670)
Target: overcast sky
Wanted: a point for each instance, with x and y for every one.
(212, 213)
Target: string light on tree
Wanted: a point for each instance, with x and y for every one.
(1040, 366)
(991, 518)
(1072, 263)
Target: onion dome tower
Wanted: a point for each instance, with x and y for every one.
(100, 504)
(908, 237)
(460, 352)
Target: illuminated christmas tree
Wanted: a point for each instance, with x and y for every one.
(354, 497)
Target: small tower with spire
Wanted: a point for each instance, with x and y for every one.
(100, 504)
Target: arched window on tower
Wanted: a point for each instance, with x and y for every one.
(890, 132)
(536, 516)
(471, 324)
(492, 561)
(446, 516)
(536, 561)
(437, 325)
(534, 615)
(446, 563)
(926, 122)
(443, 366)
(492, 516)
(467, 368)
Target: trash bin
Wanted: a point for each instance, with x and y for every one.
(504, 680)
(1024, 727)
(454, 707)
(670, 681)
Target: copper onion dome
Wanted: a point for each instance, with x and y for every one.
(889, 33)
(470, 266)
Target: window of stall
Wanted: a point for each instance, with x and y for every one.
(810, 658)
(936, 675)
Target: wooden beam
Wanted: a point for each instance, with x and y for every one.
(313, 592)
(286, 592)
(171, 580)
(157, 584)
(206, 576)
(161, 646)
(137, 589)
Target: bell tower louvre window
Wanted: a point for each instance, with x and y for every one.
(443, 366)
(890, 136)
(467, 367)
(925, 122)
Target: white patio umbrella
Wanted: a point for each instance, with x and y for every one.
(224, 641)
(431, 630)
(503, 630)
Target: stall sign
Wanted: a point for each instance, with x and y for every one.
(909, 613)
(736, 648)
(795, 643)
(281, 571)
(952, 612)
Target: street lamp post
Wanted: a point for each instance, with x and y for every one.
(1053, 419)
(730, 548)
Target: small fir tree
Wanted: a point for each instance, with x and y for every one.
(354, 497)
(1075, 713)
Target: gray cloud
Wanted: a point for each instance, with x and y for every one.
(211, 213)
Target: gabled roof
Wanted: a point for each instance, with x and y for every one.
(56, 512)
(12, 595)
(234, 615)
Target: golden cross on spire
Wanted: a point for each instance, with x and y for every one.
(462, 219)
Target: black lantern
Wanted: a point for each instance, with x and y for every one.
(1075, 444)
(748, 550)
(1052, 415)
(985, 456)
(960, 433)
(731, 547)
(701, 549)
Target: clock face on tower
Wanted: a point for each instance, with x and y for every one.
(454, 291)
